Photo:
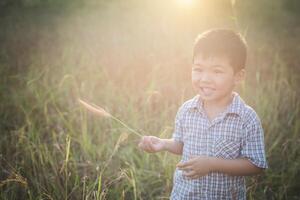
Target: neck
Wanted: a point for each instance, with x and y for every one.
(218, 105)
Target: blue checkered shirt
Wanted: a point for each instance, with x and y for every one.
(235, 133)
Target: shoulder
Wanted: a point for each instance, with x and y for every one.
(187, 105)
(245, 111)
(250, 117)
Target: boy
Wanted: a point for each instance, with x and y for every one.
(219, 137)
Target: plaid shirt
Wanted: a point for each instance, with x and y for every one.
(235, 133)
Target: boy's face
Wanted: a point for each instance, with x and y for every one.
(213, 77)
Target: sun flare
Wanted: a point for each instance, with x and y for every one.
(185, 2)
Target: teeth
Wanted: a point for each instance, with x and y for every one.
(207, 91)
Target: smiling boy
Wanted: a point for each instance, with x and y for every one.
(219, 137)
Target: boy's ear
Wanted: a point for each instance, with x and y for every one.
(239, 76)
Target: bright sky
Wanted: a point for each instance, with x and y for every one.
(185, 2)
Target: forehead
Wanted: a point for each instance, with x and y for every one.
(211, 61)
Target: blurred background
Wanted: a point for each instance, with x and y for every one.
(133, 58)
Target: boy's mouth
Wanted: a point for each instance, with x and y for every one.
(207, 90)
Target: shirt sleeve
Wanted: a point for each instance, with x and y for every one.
(177, 134)
(253, 147)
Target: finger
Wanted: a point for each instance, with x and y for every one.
(182, 165)
(189, 174)
(153, 140)
(143, 144)
(186, 168)
(195, 177)
(148, 142)
(148, 145)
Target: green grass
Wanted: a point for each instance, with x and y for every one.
(51, 148)
(60, 150)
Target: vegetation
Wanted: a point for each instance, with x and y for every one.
(133, 59)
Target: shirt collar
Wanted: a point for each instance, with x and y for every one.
(196, 103)
(235, 107)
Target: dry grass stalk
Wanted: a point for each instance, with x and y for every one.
(98, 111)
(102, 112)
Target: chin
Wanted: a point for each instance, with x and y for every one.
(207, 98)
(212, 97)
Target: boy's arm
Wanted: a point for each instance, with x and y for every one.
(199, 166)
(152, 144)
(173, 146)
(235, 167)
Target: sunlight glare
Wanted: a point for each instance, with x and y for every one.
(185, 2)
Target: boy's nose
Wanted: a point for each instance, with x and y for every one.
(205, 77)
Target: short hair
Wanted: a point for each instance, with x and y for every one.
(222, 42)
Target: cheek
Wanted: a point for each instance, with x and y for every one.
(225, 81)
(195, 77)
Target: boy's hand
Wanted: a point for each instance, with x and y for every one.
(196, 167)
(151, 144)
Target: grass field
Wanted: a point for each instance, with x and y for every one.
(136, 64)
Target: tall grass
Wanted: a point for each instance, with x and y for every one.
(52, 148)
(60, 151)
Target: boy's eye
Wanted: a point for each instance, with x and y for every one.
(197, 70)
(218, 71)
